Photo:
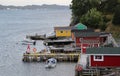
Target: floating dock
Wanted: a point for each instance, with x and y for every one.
(38, 57)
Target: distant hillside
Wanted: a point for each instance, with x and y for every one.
(34, 7)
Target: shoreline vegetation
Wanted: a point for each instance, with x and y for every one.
(34, 7)
(97, 14)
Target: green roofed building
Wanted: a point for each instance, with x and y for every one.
(104, 57)
(80, 26)
(103, 51)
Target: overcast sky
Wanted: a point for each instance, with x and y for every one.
(34, 2)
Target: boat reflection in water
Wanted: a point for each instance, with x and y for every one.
(51, 63)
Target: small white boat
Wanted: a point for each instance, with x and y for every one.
(51, 63)
(26, 42)
(50, 35)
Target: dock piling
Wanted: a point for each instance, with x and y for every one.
(37, 57)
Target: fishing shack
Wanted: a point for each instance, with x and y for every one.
(63, 31)
(89, 38)
(99, 61)
(104, 57)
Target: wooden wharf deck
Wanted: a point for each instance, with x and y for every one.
(37, 57)
(98, 72)
(88, 72)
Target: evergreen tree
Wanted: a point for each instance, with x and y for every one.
(80, 7)
(108, 6)
(93, 19)
(80, 12)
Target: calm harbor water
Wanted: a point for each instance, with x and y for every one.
(14, 26)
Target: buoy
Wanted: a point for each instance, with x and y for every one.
(78, 67)
(34, 50)
(28, 49)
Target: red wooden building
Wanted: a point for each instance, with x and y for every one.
(88, 38)
(104, 57)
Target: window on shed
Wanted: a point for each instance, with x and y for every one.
(61, 31)
(98, 58)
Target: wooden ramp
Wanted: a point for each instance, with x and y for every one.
(37, 57)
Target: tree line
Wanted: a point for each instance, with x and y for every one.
(95, 13)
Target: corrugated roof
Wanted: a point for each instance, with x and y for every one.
(63, 28)
(103, 50)
(84, 30)
(87, 34)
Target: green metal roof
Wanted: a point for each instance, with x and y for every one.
(80, 26)
(103, 50)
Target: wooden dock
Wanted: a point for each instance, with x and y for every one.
(98, 72)
(88, 72)
(38, 57)
(95, 71)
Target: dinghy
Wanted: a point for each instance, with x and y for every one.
(51, 63)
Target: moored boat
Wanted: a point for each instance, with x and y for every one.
(51, 63)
